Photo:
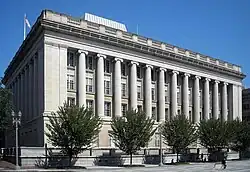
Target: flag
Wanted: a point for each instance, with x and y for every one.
(27, 22)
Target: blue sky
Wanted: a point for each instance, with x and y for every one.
(218, 28)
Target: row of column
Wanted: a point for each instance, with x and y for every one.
(148, 93)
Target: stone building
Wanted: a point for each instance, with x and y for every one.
(96, 62)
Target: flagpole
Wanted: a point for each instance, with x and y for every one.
(24, 27)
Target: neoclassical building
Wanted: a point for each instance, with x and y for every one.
(96, 62)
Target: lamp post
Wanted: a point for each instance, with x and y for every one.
(160, 164)
(16, 121)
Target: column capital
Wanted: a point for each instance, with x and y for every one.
(216, 81)
(197, 77)
(83, 51)
(225, 83)
(186, 74)
(101, 56)
(134, 62)
(207, 79)
(118, 59)
(174, 72)
(149, 66)
(162, 69)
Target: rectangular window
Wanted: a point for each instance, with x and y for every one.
(219, 99)
(157, 139)
(90, 104)
(178, 95)
(106, 66)
(138, 91)
(70, 82)
(166, 114)
(138, 70)
(71, 101)
(71, 59)
(166, 94)
(107, 109)
(89, 63)
(210, 100)
(124, 109)
(200, 97)
(153, 94)
(139, 107)
(123, 69)
(89, 85)
(190, 96)
(154, 113)
(124, 90)
(107, 87)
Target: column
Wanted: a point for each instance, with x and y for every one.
(224, 102)
(206, 98)
(30, 104)
(22, 93)
(215, 100)
(185, 99)
(35, 97)
(174, 94)
(196, 99)
(25, 93)
(82, 77)
(148, 91)
(117, 88)
(100, 85)
(161, 95)
(133, 86)
(19, 92)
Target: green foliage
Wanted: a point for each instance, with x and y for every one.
(240, 135)
(5, 107)
(179, 133)
(73, 129)
(132, 132)
(215, 134)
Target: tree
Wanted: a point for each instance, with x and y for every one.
(132, 132)
(179, 133)
(240, 140)
(214, 134)
(73, 129)
(5, 109)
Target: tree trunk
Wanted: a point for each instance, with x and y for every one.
(131, 158)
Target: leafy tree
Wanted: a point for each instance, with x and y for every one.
(214, 134)
(241, 136)
(73, 129)
(132, 132)
(179, 133)
(5, 109)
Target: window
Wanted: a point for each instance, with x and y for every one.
(139, 107)
(71, 59)
(89, 85)
(178, 95)
(89, 63)
(138, 70)
(71, 101)
(219, 99)
(70, 82)
(106, 66)
(107, 109)
(154, 113)
(190, 96)
(124, 109)
(124, 90)
(200, 97)
(138, 91)
(123, 69)
(166, 114)
(157, 139)
(190, 116)
(106, 87)
(90, 104)
(153, 76)
(153, 94)
(166, 94)
(210, 100)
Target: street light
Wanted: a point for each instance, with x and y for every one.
(16, 120)
(160, 164)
